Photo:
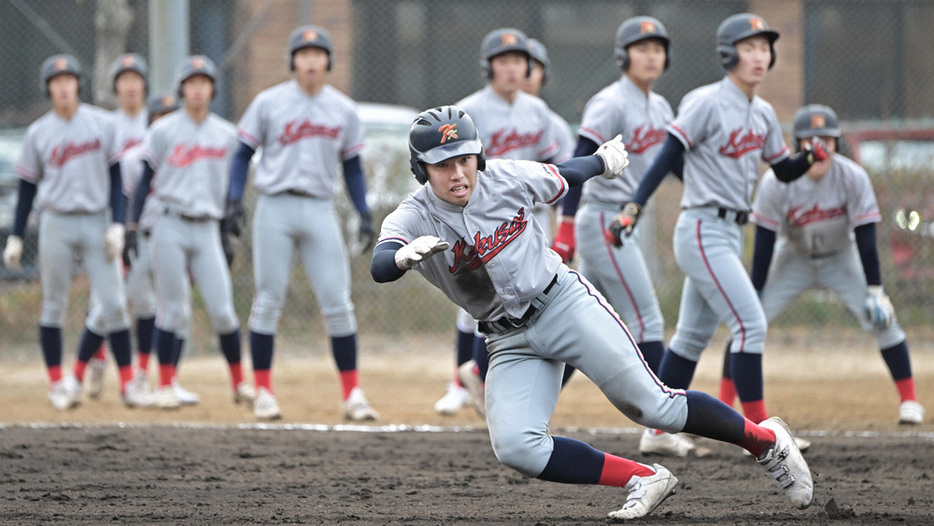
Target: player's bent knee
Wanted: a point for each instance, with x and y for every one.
(225, 321)
(340, 323)
(52, 315)
(526, 452)
(264, 316)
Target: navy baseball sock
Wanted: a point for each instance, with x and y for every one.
(230, 346)
(464, 346)
(676, 372)
(344, 349)
(90, 343)
(120, 347)
(897, 360)
(50, 339)
(144, 334)
(652, 352)
(177, 350)
(576, 462)
(746, 369)
(165, 350)
(711, 418)
(261, 349)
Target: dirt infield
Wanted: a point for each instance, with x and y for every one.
(213, 463)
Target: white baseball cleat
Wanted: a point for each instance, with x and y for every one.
(645, 494)
(65, 393)
(669, 445)
(185, 397)
(910, 412)
(244, 394)
(265, 407)
(356, 408)
(136, 393)
(784, 463)
(165, 398)
(96, 370)
(453, 400)
(474, 385)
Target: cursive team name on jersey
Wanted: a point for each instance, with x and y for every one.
(800, 217)
(63, 153)
(184, 155)
(504, 141)
(742, 142)
(644, 137)
(295, 131)
(469, 257)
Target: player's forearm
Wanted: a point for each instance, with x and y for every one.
(117, 197)
(868, 252)
(571, 201)
(383, 267)
(669, 160)
(139, 195)
(791, 168)
(356, 184)
(578, 169)
(27, 194)
(239, 170)
(762, 256)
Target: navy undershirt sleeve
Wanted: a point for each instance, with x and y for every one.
(383, 267)
(669, 160)
(356, 184)
(141, 192)
(576, 170)
(239, 170)
(27, 194)
(117, 196)
(868, 252)
(762, 256)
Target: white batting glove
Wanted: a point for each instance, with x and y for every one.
(420, 249)
(13, 253)
(615, 157)
(878, 308)
(113, 241)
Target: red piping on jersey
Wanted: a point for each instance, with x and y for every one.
(554, 170)
(759, 220)
(777, 155)
(683, 135)
(251, 141)
(599, 137)
(622, 281)
(700, 247)
(396, 238)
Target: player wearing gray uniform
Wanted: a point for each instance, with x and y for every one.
(191, 150)
(721, 133)
(468, 232)
(68, 165)
(825, 225)
(307, 129)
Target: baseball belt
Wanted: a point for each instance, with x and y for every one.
(740, 217)
(506, 324)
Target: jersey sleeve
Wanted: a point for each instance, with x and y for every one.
(251, 129)
(542, 180)
(109, 138)
(29, 166)
(400, 226)
(690, 127)
(767, 208)
(862, 207)
(775, 148)
(353, 138)
(597, 121)
(153, 147)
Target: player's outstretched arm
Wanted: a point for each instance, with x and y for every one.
(383, 267)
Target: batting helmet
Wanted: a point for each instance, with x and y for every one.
(195, 65)
(439, 134)
(502, 41)
(309, 36)
(164, 103)
(540, 54)
(637, 29)
(815, 120)
(58, 65)
(740, 27)
(128, 62)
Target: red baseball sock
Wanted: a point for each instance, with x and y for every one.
(100, 354)
(727, 391)
(143, 359)
(906, 389)
(166, 373)
(348, 382)
(126, 374)
(236, 374)
(55, 373)
(755, 410)
(263, 378)
(79, 370)
(618, 471)
(757, 439)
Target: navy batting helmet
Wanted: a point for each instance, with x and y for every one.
(740, 27)
(540, 54)
(815, 120)
(58, 65)
(309, 36)
(637, 29)
(159, 104)
(502, 41)
(128, 62)
(439, 134)
(195, 65)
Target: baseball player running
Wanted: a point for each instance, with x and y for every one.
(721, 132)
(307, 130)
(469, 233)
(826, 229)
(513, 125)
(68, 163)
(191, 151)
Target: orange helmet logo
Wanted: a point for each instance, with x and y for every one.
(647, 26)
(61, 64)
(509, 39)
(818, 121)
(127, 60)
(447, 131)
(197, 62)
(757, 24)
(310, 36)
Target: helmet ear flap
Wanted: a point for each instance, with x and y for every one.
(481, 160)
(728, 56)
(418, 168)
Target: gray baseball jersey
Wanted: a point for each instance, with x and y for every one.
(130, 129)
(564, 137)
(523, 130)
(725, 135)
(304, 138)
(71, 159)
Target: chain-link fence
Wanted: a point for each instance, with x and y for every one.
(870, 60)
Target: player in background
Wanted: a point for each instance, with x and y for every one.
(825, 225)
(309, 132)
(721, 133)
(628, 107)
(190, 149)
(513, 125)
(469, 233)
(140, 288)
(68, 164)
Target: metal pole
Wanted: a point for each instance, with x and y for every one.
(168, 41)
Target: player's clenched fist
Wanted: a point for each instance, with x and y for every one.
(879, 309)
(624, 222)
(615, 157)
(817, 151)
(420, 249)
(13, 252)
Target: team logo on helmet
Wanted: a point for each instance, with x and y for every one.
(510, 39)
(127, 60)
(757, 24)
(647, 26)
(61, 64)
(197, 62)
(818, 121)
(310, 36)
(447, 131)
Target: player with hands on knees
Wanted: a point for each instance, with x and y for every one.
(308, 131)
(538, 315)
(721, 133)
(191, 151)
(69, 165)
(825, 228)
